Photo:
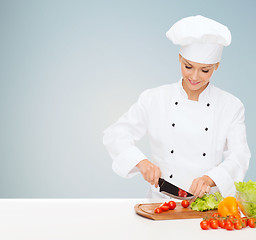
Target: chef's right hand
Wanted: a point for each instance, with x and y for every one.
(149, 171)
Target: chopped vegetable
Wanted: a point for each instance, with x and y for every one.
(164, 206)
(158, 210)
(207, 202)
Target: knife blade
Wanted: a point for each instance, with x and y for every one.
(173, 191)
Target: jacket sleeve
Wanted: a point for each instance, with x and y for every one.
(120, 138)
(236, 156)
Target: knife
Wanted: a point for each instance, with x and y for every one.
(173, 191)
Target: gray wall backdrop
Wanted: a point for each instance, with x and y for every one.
(69, 69)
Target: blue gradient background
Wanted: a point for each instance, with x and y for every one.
(69, 69)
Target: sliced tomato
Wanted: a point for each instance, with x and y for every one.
(165, 208)
(164, 204)
(182, 193)
(158, 210)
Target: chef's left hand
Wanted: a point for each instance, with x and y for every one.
(201, 185)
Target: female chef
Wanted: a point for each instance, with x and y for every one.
(196, 131)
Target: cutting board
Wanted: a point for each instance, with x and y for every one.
(147, 210)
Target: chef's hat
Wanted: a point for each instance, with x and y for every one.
(201, 39)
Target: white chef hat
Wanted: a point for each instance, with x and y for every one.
(201, 39)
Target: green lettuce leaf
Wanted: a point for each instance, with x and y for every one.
(207, 202)
(246, 194)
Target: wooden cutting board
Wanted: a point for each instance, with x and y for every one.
(147, 210)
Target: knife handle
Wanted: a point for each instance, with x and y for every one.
(161, 182)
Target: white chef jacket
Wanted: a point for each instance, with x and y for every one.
(188, 139)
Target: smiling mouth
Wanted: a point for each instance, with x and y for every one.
(193, 82)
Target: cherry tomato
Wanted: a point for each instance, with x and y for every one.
(215, 215)
(185, 203)
(165, 208)
(238, 224)
(158, 210)
(204, 225)
(232, 218)
(229, 225)
(164, 204)
(214, 224)
(244, 222)
(222, 222)
(172, 205)
(251, 222)
(182, 193)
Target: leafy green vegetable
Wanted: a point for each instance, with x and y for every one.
(207, 202)
(246, 195)
(218, 196)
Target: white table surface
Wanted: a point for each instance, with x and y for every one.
(97, 219)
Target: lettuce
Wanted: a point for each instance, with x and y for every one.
(207, 202)
(246, 195)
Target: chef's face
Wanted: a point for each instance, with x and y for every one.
(196, 76)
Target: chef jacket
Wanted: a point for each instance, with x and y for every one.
(188, 139)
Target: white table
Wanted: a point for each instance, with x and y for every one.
(97, 219)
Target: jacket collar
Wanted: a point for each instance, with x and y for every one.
(204, 96)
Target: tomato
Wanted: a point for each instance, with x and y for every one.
(244, 222)
(158, 210)
(238, 224)
(215, 215)
(222, 222)
(185, 203)
(165, 208)
(251, 222)
(229, 225)
(204, 225)
(172, 205)
(164, 204)
(214, 224)
(231, 217)
(182, 193)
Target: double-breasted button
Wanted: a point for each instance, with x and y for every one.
(171, 176)
(204, 154)
(172, 151)
(173, 124)
(208, 104)
(206, 129)
(176, 103)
